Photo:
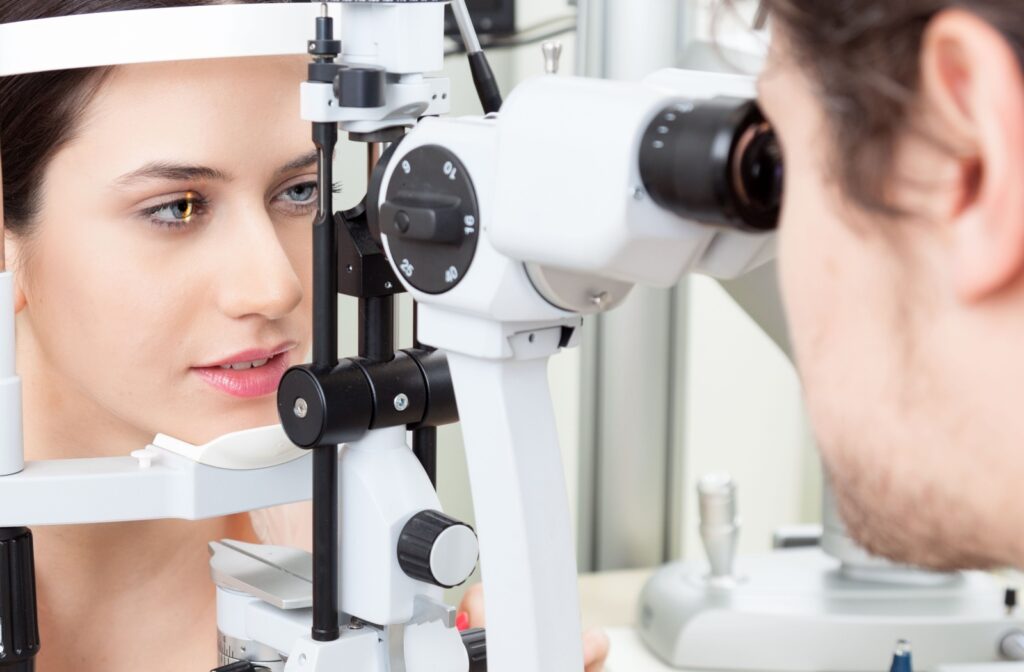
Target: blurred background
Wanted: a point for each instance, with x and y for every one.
(674, 384)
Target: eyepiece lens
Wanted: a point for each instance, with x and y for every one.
(758, 174)
(717, 162)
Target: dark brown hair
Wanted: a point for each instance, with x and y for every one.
(863, 55)
(40, 112)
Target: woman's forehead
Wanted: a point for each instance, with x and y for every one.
(235, 116)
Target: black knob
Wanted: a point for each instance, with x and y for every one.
(360, 86)
(428, 218)
(240, 666)
(19, 624)
(475, 642)
(437, 549)
(318, 408)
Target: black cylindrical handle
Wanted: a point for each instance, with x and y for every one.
(486, 83)
(441, 406)
(475, 642)
(19, 623)
(325, 408)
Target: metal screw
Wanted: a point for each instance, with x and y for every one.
(301, 408)
(388, 285)
(638, 194)
(401, 403)
(599, 299)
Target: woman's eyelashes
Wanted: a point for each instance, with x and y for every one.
(298, 199)
(301, 198)
(177, 213)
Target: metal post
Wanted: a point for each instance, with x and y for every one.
(325, 357)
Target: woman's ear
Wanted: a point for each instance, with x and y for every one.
(972, 86)
(11, 249)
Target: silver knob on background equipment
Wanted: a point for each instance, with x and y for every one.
(719, 522)
(552, 56)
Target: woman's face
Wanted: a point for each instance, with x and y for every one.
(904, 402)
(168, 277)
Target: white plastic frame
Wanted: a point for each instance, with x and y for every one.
(155, 35)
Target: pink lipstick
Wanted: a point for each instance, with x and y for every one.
(249, 374)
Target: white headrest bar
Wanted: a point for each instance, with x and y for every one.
(155, 35)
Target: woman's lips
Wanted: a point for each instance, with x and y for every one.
(247, 383)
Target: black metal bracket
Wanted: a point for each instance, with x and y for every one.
(363, 269)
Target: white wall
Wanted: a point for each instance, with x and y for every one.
(744, 415)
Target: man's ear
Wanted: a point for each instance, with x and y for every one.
(973, 87)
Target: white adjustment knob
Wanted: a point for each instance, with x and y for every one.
(437, 549)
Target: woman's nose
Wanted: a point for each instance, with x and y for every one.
(258, 277)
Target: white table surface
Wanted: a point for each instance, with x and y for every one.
(609, 601)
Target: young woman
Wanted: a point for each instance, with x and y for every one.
(158, 224)
(902, 261)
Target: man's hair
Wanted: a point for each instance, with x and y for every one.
(864, 57)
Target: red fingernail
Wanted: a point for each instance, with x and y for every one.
(462, 621)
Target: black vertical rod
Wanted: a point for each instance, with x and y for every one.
(19, 620)
(325, 358)
(376, 313)
(424, 446)
(424, 439)
(377, 328)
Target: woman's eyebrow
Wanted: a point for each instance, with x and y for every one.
(176, 172)
(304, 161)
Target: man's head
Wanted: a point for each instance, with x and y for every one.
(902, 255)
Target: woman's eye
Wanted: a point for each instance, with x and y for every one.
(300, 194)
(178, 213)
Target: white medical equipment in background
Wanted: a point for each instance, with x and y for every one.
(818, 602)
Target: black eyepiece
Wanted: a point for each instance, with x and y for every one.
(716, 161)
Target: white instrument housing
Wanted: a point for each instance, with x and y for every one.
(407, 41)
(554, 209)
(541, 205)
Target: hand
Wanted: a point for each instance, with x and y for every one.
(595, 642)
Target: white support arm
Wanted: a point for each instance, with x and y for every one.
(519, 494)
(12, 456)
(155, 484)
